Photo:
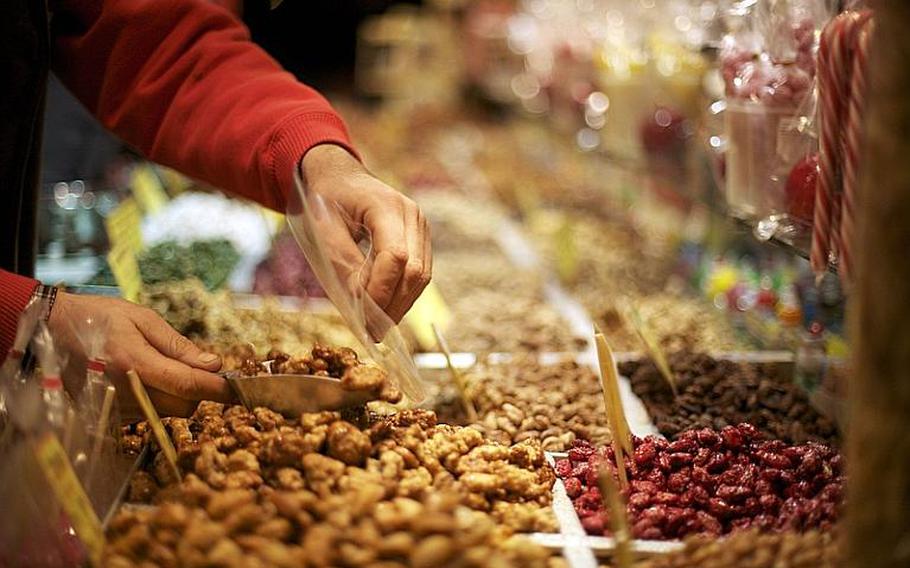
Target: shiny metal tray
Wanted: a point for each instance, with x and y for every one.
(292, 395)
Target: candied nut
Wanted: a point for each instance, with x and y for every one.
(480, 482)
(309, 420)
(363, 378)
(222, 503)
(268, 419)
(317, 467)
(431, 552)
(396, 545)
(246, 434)
(513, 413)
(276, 529)
(241, 480)
(347, 443)
(289, 478)
(142, 487)
(243, 518)
(352, 555)
(242, 460)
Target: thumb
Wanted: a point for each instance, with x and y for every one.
(171, 344)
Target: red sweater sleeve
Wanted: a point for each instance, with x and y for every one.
(15, 292)
(182, 82)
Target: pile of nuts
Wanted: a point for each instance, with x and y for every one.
(487, 321)
(497, 307)
(812, 549)
(317, 482)
(293, 528)
(677, 321)
(524, 400)
(711, 482)
(337, 362)
(716, 393)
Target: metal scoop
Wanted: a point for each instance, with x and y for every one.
(293, 394)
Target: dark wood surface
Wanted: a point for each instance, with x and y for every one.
(878, 522)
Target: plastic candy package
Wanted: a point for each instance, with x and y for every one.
(768, 68)
(341, 255)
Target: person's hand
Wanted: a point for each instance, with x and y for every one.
(176, 373)
(402, 263)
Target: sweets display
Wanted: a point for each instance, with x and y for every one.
(812, 549)
(711, 482)
(321, 479)
(715, 393)
(617, 269)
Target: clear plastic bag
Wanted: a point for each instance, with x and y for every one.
(341, 255)
(768, 66)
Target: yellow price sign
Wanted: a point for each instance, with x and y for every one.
(429, 309)
(175, 182)
(69, 492)
(148, 189)
(125, 267)
(124, 225)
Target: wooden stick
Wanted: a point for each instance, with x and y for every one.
(652, 346)
(164, 441)
(101, 428)
(457, 378)
(609, 383)
(619, 522)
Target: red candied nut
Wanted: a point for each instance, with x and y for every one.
(563, 468)
(573, 487)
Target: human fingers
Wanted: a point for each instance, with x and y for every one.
(171, 344)
(418, 269)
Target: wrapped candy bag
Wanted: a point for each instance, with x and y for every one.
(768, 68)
(20, 400)
(341, 255)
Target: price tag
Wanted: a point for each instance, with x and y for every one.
(148, 409)
(124, 225)
(147, 189)
(566, 251)
(429, 309)
(69, 492)
(125, 267)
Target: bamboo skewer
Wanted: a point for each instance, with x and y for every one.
(653, 348)
(619, 522)
(164, 442)
(457, 377)
(616, 416)
(609, 382)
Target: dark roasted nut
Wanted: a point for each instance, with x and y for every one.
(347, 443)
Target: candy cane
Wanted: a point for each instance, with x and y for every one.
(856, 106)
(833, 87)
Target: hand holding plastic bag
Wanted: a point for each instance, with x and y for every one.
(370, 248)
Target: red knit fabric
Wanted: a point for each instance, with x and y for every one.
(181, 81)
(15, 292)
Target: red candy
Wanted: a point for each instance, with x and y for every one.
(711, 483)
